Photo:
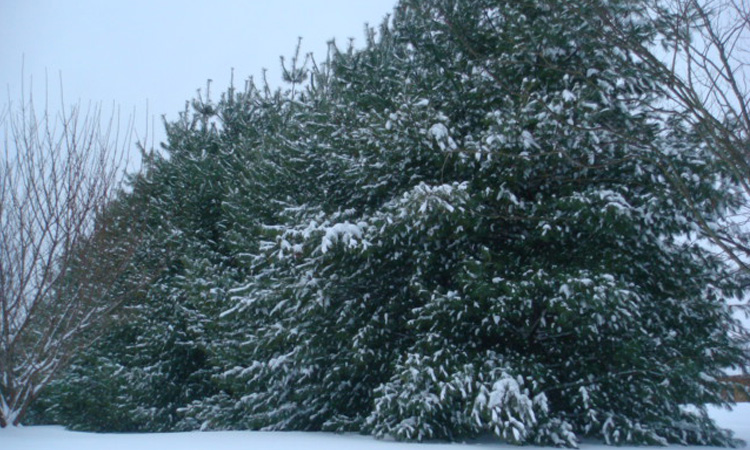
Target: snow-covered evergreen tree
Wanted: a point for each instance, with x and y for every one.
(465, 227)
(498, 249)
(153, 360)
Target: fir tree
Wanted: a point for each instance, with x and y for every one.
(462, 228)
(492, 247)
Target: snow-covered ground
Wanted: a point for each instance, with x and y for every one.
(56, 438)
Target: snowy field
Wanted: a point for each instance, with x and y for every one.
(56, 438)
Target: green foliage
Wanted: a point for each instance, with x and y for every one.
(465, 227)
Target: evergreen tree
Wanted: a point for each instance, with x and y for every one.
(491, 254)
(462, 228)
(153, 360)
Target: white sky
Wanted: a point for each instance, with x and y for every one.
(161, 51)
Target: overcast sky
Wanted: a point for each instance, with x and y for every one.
(157, 51)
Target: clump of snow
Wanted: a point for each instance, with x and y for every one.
(441, 134)
(347, 233)
(528, 141)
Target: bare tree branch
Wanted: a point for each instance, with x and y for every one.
(63, 256)
(705, 70)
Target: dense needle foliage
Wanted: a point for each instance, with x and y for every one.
(470, 225)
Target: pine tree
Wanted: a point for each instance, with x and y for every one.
(153, 361)
(493, 255)
(462, 228)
